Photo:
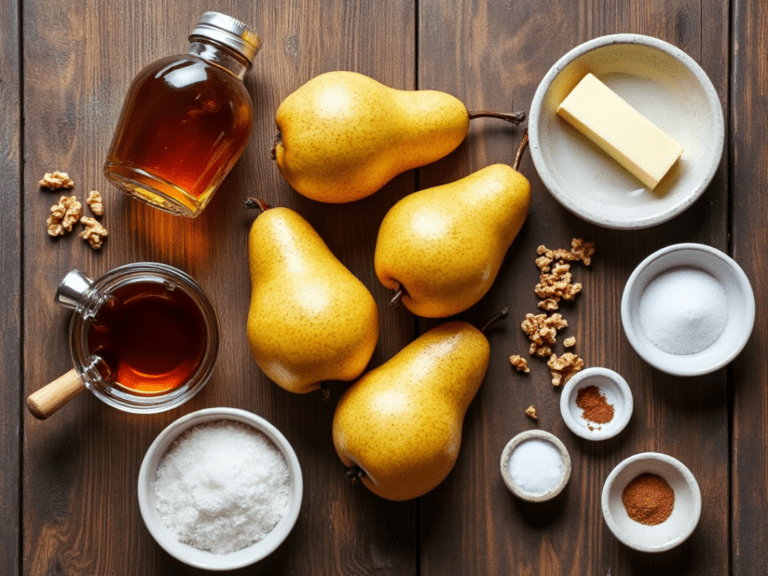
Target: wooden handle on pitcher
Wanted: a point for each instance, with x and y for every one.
(53, 396)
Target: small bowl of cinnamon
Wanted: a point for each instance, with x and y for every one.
(651, 502)
(596, 403)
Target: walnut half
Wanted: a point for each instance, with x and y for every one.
(95, 202)
(64, 215)
(520, 363)
(94, 232)
(56, 181)
(564, 367)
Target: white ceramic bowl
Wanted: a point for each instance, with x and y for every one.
(665, 85)
(521, 492)
(202, 558)
(617, 394)
(741, 308)
(685, 513)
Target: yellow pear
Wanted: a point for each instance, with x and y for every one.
(443, 246)
(345, 135)
(310, 319)
(398, 428)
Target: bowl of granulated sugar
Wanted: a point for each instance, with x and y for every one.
(220, 489)
(688, 309)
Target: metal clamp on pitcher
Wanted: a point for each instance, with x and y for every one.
(143, 338)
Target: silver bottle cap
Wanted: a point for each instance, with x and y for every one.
(230, 32)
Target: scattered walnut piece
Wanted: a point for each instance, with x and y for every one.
(556, 281)
(96, 203)
(64, 215)
(570, 342)
(550, 304)
(583, 250)
(542, 351)
(556, 285)
(520, 363)
(531, 411)
(56, 181)
(542, 262)
(564, 367)
(542, 331)
(94, 232)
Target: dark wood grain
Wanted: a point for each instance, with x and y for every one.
(11, 228)
(74, 511)
(80, 512)
(749, 150)
(492, 55)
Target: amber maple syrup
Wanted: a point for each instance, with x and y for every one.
(186, 119)
(151, 337)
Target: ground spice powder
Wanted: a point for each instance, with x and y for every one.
(648, 499)
(594, 406)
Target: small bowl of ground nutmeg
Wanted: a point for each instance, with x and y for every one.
(651, 502)
(596, 403)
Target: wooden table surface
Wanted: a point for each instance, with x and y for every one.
(68, 502)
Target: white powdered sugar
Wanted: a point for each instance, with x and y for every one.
(683, 311)
(222, 486)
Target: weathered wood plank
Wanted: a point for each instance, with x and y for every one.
(80, 512)
(489, 55)
(749, 149)
(11, 227)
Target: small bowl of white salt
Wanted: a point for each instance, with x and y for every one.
(535, 466)
(688, 309)
(220, 488)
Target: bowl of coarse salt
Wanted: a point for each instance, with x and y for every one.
(688, 309)
(220, 488)
(535, 465)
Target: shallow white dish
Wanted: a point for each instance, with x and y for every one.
(202, 558)
(665, 85)
(685, 513)
(507, 476)
(741, 308)
(616, 392)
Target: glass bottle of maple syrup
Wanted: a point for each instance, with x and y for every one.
(186, 119)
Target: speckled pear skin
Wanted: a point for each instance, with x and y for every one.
(310, 319)
(345, 135)
(445, 245)
(401, 423)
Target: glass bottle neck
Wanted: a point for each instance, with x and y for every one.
(209, 51)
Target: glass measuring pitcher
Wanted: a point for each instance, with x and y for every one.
(143, 338)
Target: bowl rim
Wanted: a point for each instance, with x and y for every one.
(630, 330)
(650, 42)
(514, 443)
(690, 481)
(164, 440)
(606, 431)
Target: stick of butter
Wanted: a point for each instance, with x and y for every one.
(629, 137)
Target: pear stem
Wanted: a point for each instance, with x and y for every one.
(501, 314)
(395, 302)
(512, 117)
(520, 150)
(354, 473)
(325, 391)
(277, 140)
(256, 204)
